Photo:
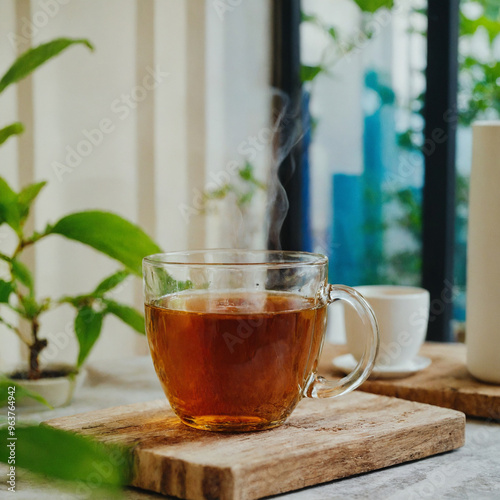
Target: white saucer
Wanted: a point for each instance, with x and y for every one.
(347, 363)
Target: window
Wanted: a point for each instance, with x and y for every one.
(364, 72)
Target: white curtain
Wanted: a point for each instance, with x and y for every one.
(105, 139)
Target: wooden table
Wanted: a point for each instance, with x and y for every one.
(446, 382)
(470, 472)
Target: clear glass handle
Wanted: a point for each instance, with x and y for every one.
(322, 388)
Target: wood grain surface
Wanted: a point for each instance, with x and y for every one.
(323, 440)
(446, 382)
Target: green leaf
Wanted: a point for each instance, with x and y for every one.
(161, 283)
(74, 301)
(64, 455)
(5, 291)
(218, 194)
(469, 26)
(9, 211)
(309, 73)
(247, 174)
(110, 283)
(21, 273)
(31, 307)
(127, 314)
(35, 57)
(372, 6)
(110, 234)
(308, 18)
(20, 391)
(88, 325)
(14, 129)
(26, 197)
(245, 198)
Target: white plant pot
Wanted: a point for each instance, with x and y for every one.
(57, 391)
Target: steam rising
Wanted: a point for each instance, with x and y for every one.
(287, 132)
(241, 224)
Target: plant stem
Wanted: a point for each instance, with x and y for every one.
(5, 257)
(36, 346)
(35, 349)
(23, 243)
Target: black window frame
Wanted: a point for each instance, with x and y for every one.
(440, 112)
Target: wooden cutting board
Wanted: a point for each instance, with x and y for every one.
(323, 440)
(446, 382)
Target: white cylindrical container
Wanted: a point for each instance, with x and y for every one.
(483, 262)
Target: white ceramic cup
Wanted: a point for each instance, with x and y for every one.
(402, 313)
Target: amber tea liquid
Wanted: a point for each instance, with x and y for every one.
(234, 361)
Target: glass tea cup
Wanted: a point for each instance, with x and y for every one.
(236, 335)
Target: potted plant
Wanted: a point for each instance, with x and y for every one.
(103, 231)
